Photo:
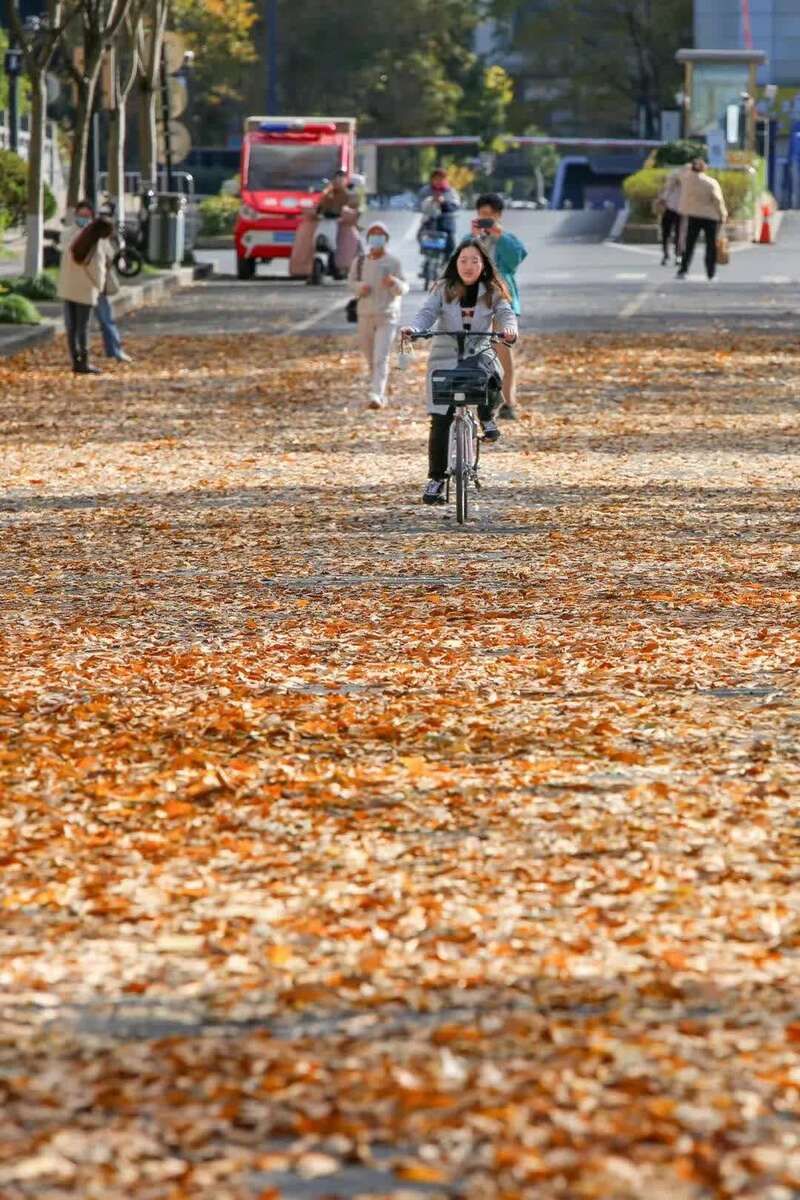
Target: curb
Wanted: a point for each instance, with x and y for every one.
(25, 338)
(139, 295)
(222, 242)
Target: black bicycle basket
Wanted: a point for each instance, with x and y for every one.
(476, 377)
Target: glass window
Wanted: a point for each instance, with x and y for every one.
(714, 87)
(292, 168)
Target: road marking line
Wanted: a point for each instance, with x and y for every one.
(557, 275)
(320, 316)
(638, 302)
(411, 233)
(649, 252)
(631, 275)
(776, 279)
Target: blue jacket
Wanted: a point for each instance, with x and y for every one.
(509, 252)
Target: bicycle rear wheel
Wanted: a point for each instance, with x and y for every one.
(462, 471)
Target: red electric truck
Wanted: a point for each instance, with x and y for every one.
(286, 163)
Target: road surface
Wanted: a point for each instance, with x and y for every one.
(574, 279)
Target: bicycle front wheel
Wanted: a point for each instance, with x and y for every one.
(128, 262)
(462, 470)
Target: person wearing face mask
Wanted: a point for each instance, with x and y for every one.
(112, 339)
(377, 280)
(81, 279)
(471, 297)
(439, 202)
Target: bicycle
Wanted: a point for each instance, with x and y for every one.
(433, 246)
(128, 262)
(463, 388)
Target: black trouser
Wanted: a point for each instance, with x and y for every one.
(76, 322)
(439, 439)
(693, 227)
(670, 224)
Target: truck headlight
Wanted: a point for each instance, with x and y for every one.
(248, 214)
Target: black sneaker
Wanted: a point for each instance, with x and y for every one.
(490, 431)
(434, 492)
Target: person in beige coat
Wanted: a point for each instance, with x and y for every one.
(702, 208)
(81, 279)
(377, 280)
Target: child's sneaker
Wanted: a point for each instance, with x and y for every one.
(434, 492)
(490, 431)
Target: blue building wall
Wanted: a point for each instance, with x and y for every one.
(776, 30)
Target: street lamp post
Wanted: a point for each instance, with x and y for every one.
(13, 68)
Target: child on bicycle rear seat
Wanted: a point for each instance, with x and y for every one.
(469, 298)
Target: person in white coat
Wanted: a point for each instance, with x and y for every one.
(377, 280)
(470, 298)
(81, 279)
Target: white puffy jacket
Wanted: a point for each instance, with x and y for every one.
(80, 282)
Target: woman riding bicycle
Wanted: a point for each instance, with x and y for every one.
(469, 298)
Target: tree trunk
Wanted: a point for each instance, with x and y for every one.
(116, 158)
(148, 136)
(77, 168)
(35, 215)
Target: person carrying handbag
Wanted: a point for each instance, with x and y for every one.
(378, 283)
(81, 279)
(702, 209)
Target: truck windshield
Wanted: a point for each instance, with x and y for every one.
(297, 168)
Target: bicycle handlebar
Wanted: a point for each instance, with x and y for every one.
(426, 334)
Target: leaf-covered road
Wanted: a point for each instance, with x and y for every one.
(347, 852)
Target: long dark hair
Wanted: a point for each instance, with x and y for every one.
(454, 288)
(83, 246)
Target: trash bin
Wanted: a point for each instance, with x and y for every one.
(166, 237)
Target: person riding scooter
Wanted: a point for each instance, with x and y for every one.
(439, 202)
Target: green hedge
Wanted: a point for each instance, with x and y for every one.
(218, 215)
(43, 287)
(642, 188)
(14, 191)
(675, 154)
(16, 310)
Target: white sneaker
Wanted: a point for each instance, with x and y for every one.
(434, 492)
(375, 401)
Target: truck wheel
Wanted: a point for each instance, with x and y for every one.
(245, 268)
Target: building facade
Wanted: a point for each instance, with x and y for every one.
(774, 27)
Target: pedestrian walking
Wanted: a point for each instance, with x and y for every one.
(378, 282)
(702, 209)
(506, 252)
(471, 298)
(668, 205)
(81, 279)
